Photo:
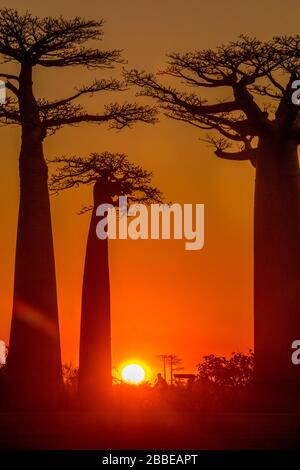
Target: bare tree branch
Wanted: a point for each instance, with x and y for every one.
(245, 154)
(117, 115)
(246, 67)
(9, 112)
(12, 88)
(52, 42)
(9, 76)
(96, 86)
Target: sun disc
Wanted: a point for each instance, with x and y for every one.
(133, 373)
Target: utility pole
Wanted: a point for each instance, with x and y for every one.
(170, 360)
(164, 358)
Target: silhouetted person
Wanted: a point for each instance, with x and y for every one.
(160, 383)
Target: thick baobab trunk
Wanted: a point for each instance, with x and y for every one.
(34, 362)
(95, 369)
(277, 266)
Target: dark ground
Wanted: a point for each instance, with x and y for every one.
(149, 430)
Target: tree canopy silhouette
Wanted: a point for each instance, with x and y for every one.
(112, 176)
(113, 172)
(237, 371)
(247, 68)
(250, 116)
(57, 42)
(34, 364)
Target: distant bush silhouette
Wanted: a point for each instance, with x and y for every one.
(3, 368)
(222, 384)
(236, 372)
(70, 378)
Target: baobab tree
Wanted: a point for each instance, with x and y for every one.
(251, 117)
(34, 364)
(112, 176)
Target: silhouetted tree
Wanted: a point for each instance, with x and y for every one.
(111, 175)
(246, 128)
(234, 372)
(34, 362)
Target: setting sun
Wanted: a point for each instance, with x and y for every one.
(133, 373)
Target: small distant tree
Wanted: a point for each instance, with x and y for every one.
(111, 176)
(173, 362)
(237, 371)
(3, 354)
(3, 368)
(70, 378)
(70, 373)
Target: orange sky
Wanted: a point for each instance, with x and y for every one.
(164, 299)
